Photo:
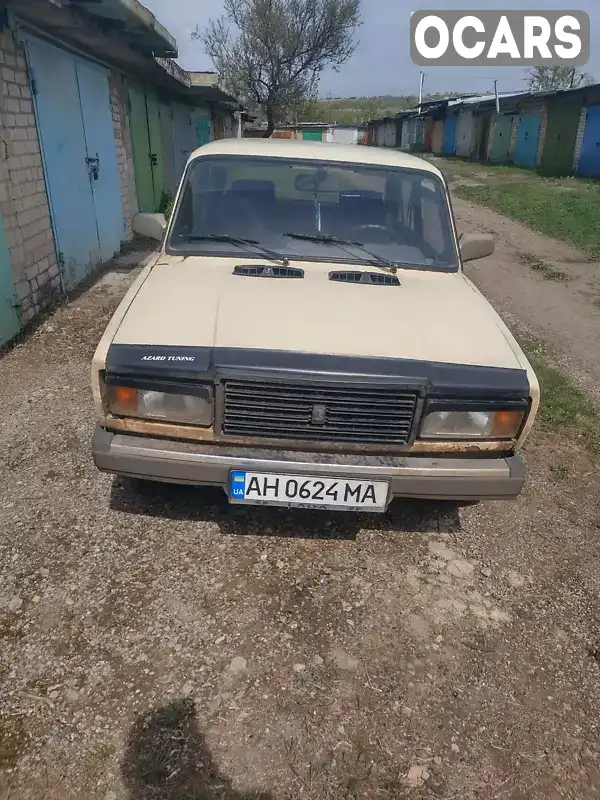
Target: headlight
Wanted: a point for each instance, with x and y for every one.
(189, 409)
(496, 424)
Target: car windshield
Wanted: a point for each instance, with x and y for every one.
(296, 209)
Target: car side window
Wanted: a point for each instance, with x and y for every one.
(432, 221)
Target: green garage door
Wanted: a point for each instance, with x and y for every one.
(561, 133)
(202, 130)
(313, 136)
(501, 139)
(144, 120)
(9, 319)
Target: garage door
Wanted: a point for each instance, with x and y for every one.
(312, 136)
(147, 144)
(449, 135)
(202, 123)
(501, 138)
(184, 138)
(528, 139)
(589, 163)
(9, 320)
(75, 126)
(345, 135)
(165, 114)
(561, 133)
(464, 134)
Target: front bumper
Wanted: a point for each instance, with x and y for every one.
(209, 465)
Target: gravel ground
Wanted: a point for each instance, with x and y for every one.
(158, 645)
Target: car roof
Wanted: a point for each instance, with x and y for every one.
(325, 151)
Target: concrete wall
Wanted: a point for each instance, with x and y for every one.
(23, 198)
(118, 101)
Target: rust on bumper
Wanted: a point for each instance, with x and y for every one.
(168, 430)
(433, 477)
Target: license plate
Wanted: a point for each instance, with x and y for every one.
(301, 491)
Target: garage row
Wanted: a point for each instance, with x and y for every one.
(98, 121)
(557, 131)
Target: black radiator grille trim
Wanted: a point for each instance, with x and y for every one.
(265, 409)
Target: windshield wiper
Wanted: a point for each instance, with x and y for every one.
(343, 244)
(251, 245)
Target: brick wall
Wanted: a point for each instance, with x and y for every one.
(488, 155)
(579, 139)
(543, 129)
(23, 199)
(119, 105)
(513, 137)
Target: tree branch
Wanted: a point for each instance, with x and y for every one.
(272, 52)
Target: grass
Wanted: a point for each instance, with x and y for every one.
(560, 471)
(547, 271)
(462, 166)
(104, 753)
(567, 212)
(166, 204)
(564, 408)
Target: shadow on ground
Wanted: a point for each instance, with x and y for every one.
(202, 504)
(167, 758)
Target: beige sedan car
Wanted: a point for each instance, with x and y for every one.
(307, 337)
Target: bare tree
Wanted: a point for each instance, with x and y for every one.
(271, 53)
(548, 79)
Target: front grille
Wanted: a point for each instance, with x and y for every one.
(318, 413)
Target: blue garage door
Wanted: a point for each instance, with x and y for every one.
(449, 135)
(100, 145)
(528, 139)
(184, 138)
(589, 163)
(74, 119)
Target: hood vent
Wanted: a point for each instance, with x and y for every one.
(263, 271)
(374, 278)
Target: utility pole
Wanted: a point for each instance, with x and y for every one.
(497, 98)
(573, 77)
(422, 80)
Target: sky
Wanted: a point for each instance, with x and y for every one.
(381, 64)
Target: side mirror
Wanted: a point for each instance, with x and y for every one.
(476, 245)
(152, 226)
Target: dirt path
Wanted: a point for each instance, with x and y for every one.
(162, 646)
(564, 313)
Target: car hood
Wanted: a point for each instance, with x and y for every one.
(199, 302)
